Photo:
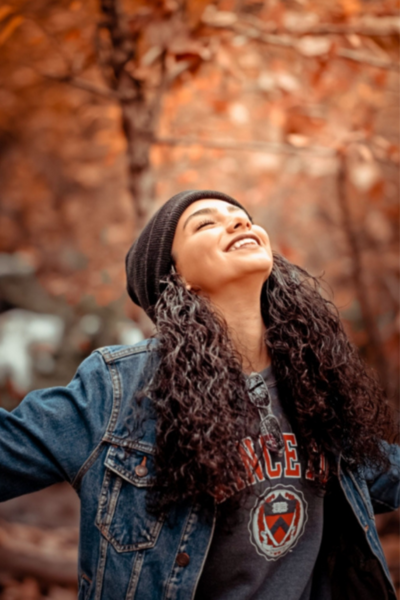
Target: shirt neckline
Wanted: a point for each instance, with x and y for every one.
(268, 376)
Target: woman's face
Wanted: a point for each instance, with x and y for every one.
(216, 244)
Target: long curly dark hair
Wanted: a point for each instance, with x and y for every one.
(332, 400)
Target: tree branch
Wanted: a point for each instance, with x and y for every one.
(287, 40)
(103, 55)
(251, 146)
(358, 28)
(161, 89)
(373, 61)
(82, 85)
(368, 26)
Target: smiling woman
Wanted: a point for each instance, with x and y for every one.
(241, 453)
(227, 259)
(227, 229)
(257, 394)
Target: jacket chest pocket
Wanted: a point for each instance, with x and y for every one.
(122, 517)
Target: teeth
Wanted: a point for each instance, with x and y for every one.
(242, 243)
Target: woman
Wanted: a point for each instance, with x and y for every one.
(239, 453)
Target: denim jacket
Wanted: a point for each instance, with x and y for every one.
(81, 433)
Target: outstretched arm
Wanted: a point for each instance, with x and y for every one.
(52, 433)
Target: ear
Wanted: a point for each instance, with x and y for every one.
(174, 270)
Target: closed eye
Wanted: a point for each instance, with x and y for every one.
(203, 223)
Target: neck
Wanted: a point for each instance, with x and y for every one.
(240, 306)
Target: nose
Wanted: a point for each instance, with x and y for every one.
(238, 222)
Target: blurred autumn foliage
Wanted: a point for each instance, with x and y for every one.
(108, 108)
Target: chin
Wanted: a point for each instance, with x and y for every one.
(263, 265)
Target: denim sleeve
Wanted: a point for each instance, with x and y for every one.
(52, 432)
(384, 488)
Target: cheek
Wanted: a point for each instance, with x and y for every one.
(260, 231)
(264, 238)
(200, 260)
(196, 257)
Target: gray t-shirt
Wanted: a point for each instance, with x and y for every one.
(270, 550)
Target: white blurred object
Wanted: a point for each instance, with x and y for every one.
(90, 324)
(312, 45)
(298, 22)
(20, 330)
(365, 175)
(238, 113)
(269, 81)
(128, 333)
(265, 162)
(220, 18)
(15, 264)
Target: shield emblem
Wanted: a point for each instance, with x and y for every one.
(279, 516)
(277, 521)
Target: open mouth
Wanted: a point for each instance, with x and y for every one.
(244, 241)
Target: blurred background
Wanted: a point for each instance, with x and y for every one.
(108, 108)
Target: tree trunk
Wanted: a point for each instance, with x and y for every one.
(137, 125)
(139, 113)
(375, 345)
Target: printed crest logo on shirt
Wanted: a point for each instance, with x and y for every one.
(277, 521)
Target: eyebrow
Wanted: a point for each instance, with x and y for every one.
(212, 211)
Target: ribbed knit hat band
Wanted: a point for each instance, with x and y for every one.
(149, 258)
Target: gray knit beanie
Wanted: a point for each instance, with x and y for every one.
(149, 258)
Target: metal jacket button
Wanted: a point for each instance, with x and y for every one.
(183, 559)
(141, 470)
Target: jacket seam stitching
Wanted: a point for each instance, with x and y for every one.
(110, 357)
(101, 567)
(206, 552)
(116, 385)
(169, 582)
(376, 501)
(134, 578)
(115, 407)
(89, 462)
(145, 447)
(369, 511)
